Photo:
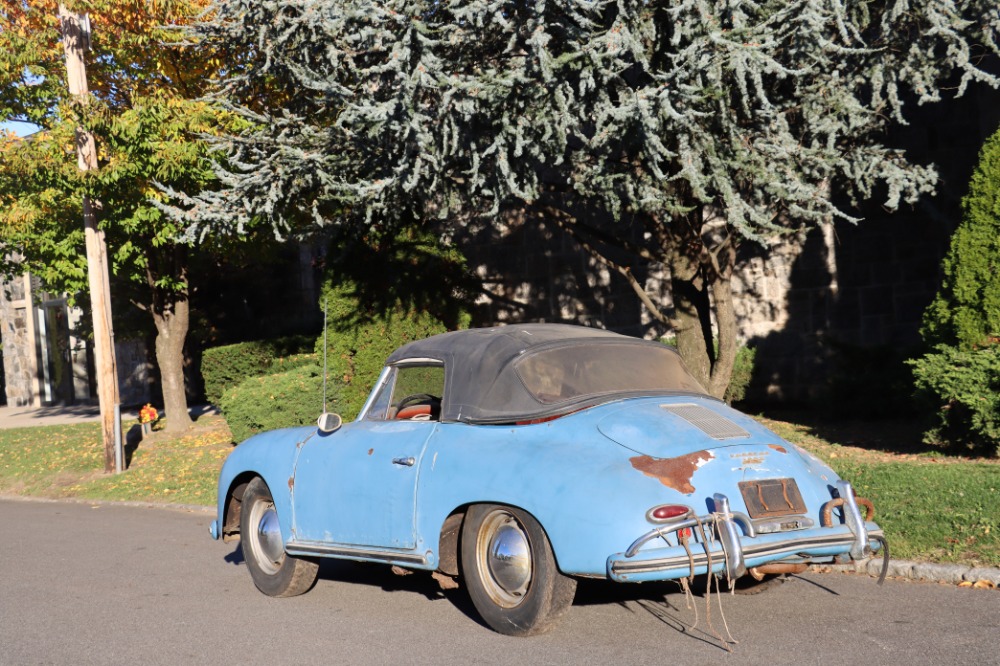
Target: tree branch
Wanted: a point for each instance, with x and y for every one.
(568, 223)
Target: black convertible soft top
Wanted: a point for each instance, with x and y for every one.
(525, 372)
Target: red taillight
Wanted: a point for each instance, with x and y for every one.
(668, 513)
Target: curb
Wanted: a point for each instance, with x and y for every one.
(187, 508)
(953, 574)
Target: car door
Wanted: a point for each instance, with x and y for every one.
(358, 486)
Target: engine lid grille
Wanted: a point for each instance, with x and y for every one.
(711, 423)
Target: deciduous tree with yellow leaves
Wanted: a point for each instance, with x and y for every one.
(147, 116)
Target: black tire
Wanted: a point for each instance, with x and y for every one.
(523, 593)
(274, 572)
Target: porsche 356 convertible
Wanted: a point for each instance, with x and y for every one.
(519, 459)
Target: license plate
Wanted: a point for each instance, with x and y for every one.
(766, 498)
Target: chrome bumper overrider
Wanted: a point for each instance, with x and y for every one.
(725, 542)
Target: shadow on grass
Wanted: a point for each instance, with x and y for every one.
(889, 435)
(132, 439)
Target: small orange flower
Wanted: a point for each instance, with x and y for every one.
(148, 414)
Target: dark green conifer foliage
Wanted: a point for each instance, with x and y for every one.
(693, 124)
(966, 311)
(961, 375)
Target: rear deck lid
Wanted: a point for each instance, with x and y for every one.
(667, 429)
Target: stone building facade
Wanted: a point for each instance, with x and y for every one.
(43, 361)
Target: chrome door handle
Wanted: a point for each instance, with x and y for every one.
(407, 462)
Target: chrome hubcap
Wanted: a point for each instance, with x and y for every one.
(269, 550)
(504, 558)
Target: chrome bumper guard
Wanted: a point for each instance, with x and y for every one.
(725, 522)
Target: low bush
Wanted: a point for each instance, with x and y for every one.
(279, 400)
(964, 387)
(224, 367)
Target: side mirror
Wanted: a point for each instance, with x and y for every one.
(329, 422)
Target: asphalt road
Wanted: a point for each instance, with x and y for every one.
(106, 584)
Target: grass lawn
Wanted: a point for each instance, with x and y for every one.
(933, 508)
(68, 461)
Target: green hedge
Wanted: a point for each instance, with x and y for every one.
(965, 388)
(279, 400)
(357, 352)
(224, 367)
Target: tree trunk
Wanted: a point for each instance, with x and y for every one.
(701, 265)
(171, 315)
(171, 331)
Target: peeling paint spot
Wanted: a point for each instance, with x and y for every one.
(779, 449)
(434, 461)
(371, 451)
(291, 483)
(674, 473)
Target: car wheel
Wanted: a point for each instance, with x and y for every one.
(274, 572)
(510, 571)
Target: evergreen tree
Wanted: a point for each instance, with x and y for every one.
(966, 311)
(694, 124)
(961, 372)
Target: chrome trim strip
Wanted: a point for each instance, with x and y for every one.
(852, 516)
(709, 520)
(349, 552)
(749, 552)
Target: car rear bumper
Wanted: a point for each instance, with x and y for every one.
(725, 542)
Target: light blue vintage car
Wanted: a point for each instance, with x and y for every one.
(520, 458)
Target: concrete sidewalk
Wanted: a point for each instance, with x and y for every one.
(26, 417)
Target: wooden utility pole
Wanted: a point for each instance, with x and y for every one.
(76, 40)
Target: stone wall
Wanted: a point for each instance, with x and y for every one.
(16, 336)
(67, 357)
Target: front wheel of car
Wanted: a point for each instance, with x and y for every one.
(274, 572)
(510, 571)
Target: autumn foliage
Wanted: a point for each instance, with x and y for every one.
(145, 109)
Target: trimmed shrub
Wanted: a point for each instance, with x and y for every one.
(966, 310)
(279, 400)
(746, 357)
(391, 287)
(357, 352)
(961, 375)
(225, 367)
(966, 386)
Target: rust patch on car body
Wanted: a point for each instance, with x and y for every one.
(779, 449)
(371, 451)
(674, 473)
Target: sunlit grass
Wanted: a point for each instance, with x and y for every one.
(931, 507)
(68, 461)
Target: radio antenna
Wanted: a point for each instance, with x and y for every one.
(324, 353)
